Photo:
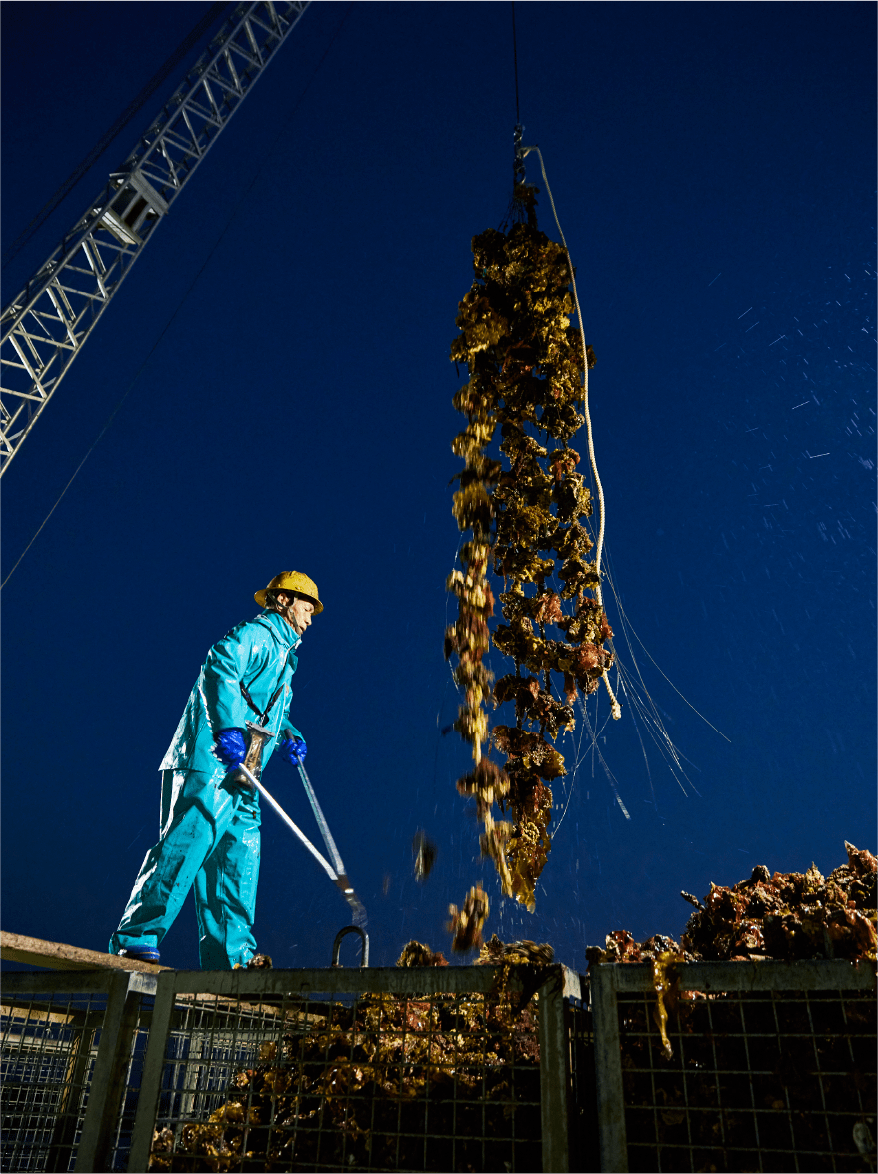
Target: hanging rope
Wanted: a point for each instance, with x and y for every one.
(616, 707)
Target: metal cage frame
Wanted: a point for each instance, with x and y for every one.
(559, 990)
(96, 1032)
(87, 1054)
(613, 988)
(113, 1085)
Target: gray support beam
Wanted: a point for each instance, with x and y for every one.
(554, 1076)
(771, 974)
(153, 1066)
(31, 982)
(608, 1070)
(111, 1065)
(45, 327)
(64, 1131)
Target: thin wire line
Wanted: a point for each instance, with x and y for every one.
(182, 302)
(595, 748)
(628, 625)
(118, 126)
(515, 58)
(110, 420)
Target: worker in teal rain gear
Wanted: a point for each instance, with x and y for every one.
(209, 822)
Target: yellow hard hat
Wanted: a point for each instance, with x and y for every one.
(292, 581)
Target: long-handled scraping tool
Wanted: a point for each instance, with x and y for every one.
(335, 871)
(251, 769)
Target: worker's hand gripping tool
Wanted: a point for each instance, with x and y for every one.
(251, 767)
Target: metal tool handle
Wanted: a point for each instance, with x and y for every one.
(324, 864)
(358, 909)
(340, 877)
(321, 819)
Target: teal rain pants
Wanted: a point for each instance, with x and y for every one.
(209, 839)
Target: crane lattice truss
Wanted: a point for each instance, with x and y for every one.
(45, 327)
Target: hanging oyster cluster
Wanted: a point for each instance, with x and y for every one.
(523, 506)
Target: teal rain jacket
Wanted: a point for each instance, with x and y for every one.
(261, 654)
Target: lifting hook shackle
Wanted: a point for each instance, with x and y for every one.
(336, 945)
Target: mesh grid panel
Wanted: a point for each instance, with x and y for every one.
(49, 1045)
(125, 1091)
(53, 1041)
(759, 1081)
(359, 1082)
(584, 1149)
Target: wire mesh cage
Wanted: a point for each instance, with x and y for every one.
(770, 1066)
(72, 1052)
(583, 1152)
(49, 1046)
(431, 1069)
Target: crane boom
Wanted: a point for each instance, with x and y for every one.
(45, 327)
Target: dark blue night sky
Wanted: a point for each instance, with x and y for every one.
(713, 168)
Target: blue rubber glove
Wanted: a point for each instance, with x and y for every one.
(292, 749)
(230, 747)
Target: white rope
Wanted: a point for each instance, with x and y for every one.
(616, 707)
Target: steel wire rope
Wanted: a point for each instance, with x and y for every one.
(119, 125)
(616, 707)
(515, 60)
(189, 290)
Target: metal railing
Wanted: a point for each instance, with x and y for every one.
(374, 1069)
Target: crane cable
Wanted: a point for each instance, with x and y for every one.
(515, 59)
